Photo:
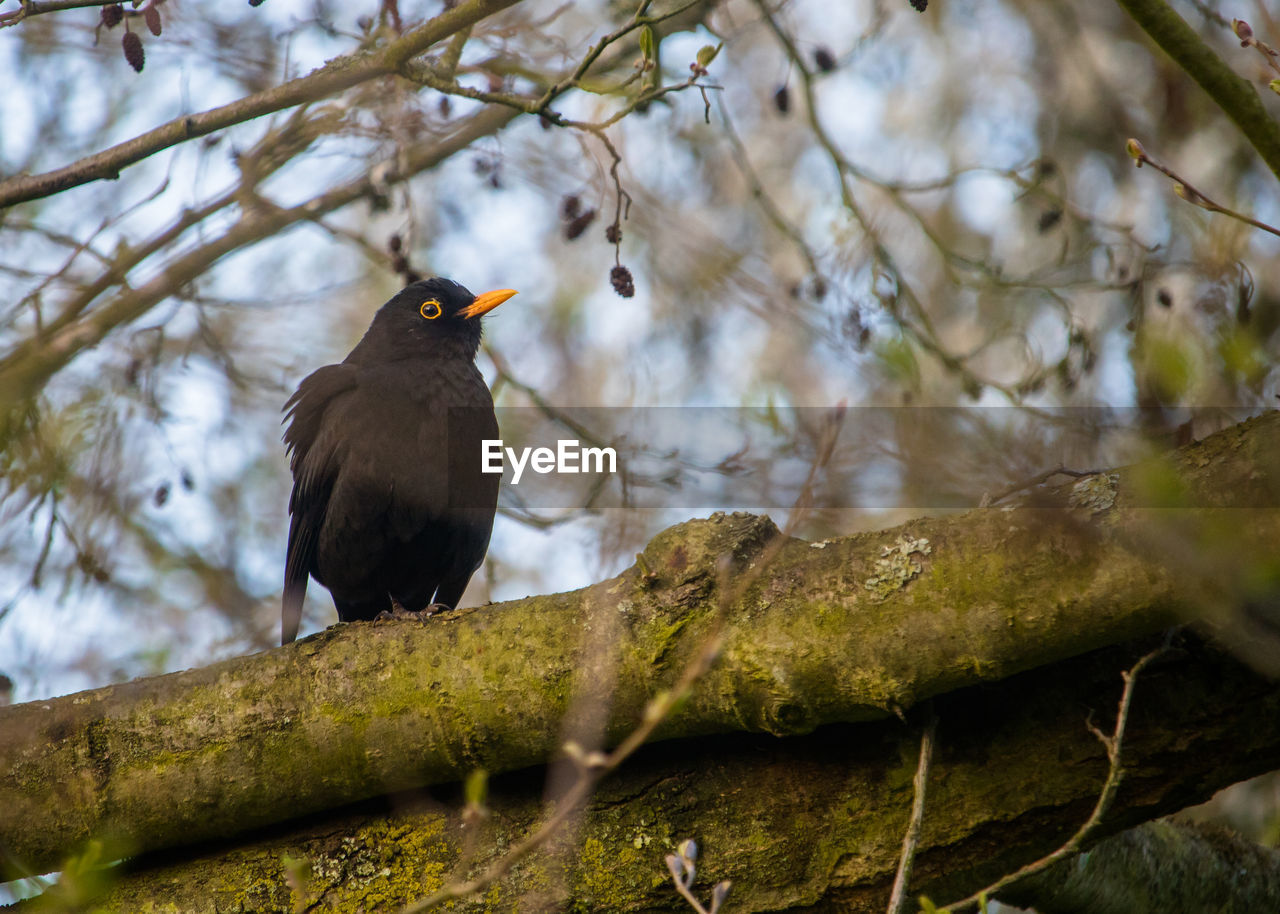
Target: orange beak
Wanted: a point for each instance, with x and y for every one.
(485, 303)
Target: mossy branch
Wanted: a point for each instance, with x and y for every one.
(844, 631)
(803, 823)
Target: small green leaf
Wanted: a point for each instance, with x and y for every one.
(707, 53)
(647, 44)
(899, 361)
(1274, 86)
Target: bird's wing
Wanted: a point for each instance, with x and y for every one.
(312, 461)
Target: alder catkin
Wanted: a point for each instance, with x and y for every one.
(782, 100)
(132, 45)
(578, 224)
(622, 282)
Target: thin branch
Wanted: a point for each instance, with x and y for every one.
(761, 195)
(911, 838)
(1115, 772)
(594, 767)
(271, 153)
(1183, 188)
(919, 324)
(989, 500)
(439, 76)
(29, 8)
(23, 372)
(453, 53)
(338, 74)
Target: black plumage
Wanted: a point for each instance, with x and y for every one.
(389, 505)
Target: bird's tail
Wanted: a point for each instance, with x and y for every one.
(295, 591)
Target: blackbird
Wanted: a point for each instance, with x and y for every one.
(390, 509)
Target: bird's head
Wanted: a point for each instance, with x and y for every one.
(436, 314)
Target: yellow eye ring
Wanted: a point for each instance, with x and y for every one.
(430, 309)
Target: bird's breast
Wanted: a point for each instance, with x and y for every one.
(434, 386)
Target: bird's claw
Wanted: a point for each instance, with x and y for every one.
(399, 612)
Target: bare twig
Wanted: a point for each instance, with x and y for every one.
(593, 768)
(25, 369)
(29, 8)
(916, 322)
(1183, 188)
(1115, 772)
(911, 838)
(989, 500)
(335, 76)
(271, 153)
(761, 195)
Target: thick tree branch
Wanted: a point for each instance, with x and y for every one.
(842, 631)
(804, 823)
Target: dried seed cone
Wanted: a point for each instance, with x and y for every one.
(111, 15)
(151, 16)
(622, 282)
(782, 100)
(132, 45)
(579, 224)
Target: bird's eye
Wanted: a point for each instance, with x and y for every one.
(430, 309)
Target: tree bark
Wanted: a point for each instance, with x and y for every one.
(805, 823)
(828, 633)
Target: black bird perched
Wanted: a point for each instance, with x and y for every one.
(390, 508)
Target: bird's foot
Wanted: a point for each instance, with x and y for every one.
(399, 612)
